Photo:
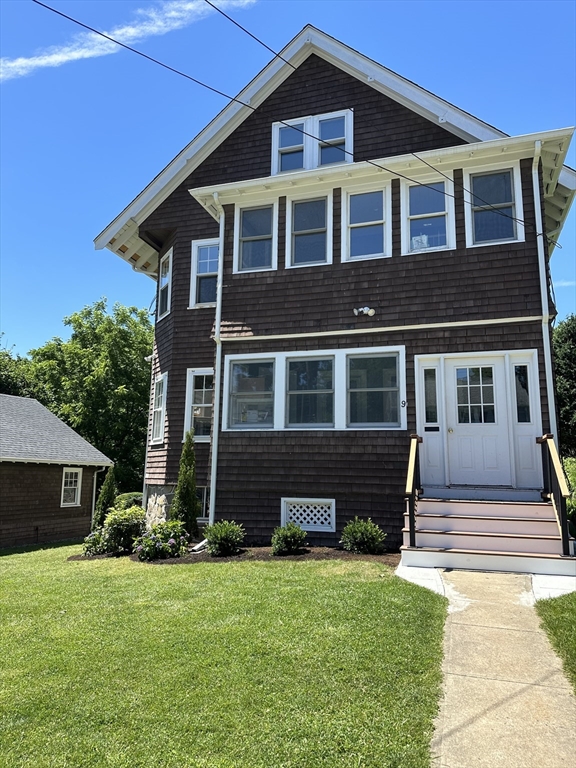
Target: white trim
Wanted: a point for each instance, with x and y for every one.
(449, 214)
(347, 191)
(388, 329)
(340, 356)
(190, 374)
(163, 377)
(290, 200)
(311, 140)
(18, 460)
(195, 246)
(167, 257)
(265, 202)
(486, 170)
(78, 500)
(285, 501)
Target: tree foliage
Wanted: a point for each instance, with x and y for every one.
(106, 499)
(564, 341)
(185, 504)
(97, 382)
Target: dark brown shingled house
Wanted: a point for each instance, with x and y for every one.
(47, 476)
(344, 260)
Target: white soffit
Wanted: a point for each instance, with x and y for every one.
(123, 231)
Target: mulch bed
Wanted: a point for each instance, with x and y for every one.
(265, 554)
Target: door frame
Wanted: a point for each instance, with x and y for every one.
(516, 431)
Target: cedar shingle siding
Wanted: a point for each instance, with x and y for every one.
(363, 471)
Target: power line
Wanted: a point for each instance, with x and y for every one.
(281, 122)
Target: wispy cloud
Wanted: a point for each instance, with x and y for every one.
(148, 22)
(564, 283)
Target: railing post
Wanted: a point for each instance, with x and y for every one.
(545, 455)
(413, 487)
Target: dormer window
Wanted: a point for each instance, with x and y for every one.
(312, 142)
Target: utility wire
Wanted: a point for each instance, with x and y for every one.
(250, 106)
(277, 55)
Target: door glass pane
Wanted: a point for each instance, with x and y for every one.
(474, 375)
(474, 396)
(522, 394)
(487, 375)
(430, 398)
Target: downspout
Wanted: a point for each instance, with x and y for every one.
(544, 291)
(217, 365)
(94, 494)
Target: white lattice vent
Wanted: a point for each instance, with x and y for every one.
(310, 514)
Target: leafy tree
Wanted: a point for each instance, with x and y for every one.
(185, 505)
(15, 375)
(98, 382)
(564, 342)
(106, 499)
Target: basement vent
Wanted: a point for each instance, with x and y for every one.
(310, 514)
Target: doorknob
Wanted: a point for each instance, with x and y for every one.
(450, 430)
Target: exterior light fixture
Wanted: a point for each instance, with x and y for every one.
(364, 311)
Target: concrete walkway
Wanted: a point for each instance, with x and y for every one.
(506, 701)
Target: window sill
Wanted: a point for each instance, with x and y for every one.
(315, 429)
(428, 250)
(256, 269)
(156, 442)
(309, 264)
(203, 306)
(354, 259)
(489, 243)
(69, 506)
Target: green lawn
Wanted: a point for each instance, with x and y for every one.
(215, 665)
(558, 617)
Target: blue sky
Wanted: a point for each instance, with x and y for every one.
(84, 128)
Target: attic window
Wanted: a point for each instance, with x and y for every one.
(312, 142)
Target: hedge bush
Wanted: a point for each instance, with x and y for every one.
(363, 537)
(224, 538)
(288, 540)
(116, 536)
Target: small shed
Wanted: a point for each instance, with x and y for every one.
(47, 476)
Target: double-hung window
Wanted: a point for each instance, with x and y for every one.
(204, 273)
(493, 205)
(164, 284)
(309, 229)
(199, 397)
(159, 408)
(427, 217)
(365, 234)
(251, 402)
(71, 487)
(310, 392)
(322, 389)
(312, 142)
(255, 239)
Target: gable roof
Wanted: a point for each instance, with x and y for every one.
(121, 235)
(29, 432)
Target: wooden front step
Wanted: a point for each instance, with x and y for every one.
(486, 542)
(485, 524)
(541, 510)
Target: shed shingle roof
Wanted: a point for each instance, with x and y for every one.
(30, 432)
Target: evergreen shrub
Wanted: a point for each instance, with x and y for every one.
(288, 540)
(224, 538)
(363, 537)
(185, 504)
(106, 499)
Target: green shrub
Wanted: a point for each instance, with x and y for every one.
(106, 499)
(224, 538)
(570, 469)
(363, 536)
(94, 543)
(163, 540)
(126, 500)
(288, 539)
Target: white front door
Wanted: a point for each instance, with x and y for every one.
(477, 422)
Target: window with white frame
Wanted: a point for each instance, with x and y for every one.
(203, 494)
(324, 389)
(309, 232)
(199, 399)
(255, 239)
(310, 392)
(164, 284)
(364, 231)
(251, 394)
(71, 487)
(204, 273)
(493, 209)
(428, 220)
(311, 142)
(159, 408)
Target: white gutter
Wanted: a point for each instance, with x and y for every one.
(217, 365)
(544, 291)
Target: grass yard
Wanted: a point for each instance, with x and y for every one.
(558, 617)
(215, 665)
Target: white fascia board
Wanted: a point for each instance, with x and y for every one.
(568, 178)
(66, 462)
(507, 148)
